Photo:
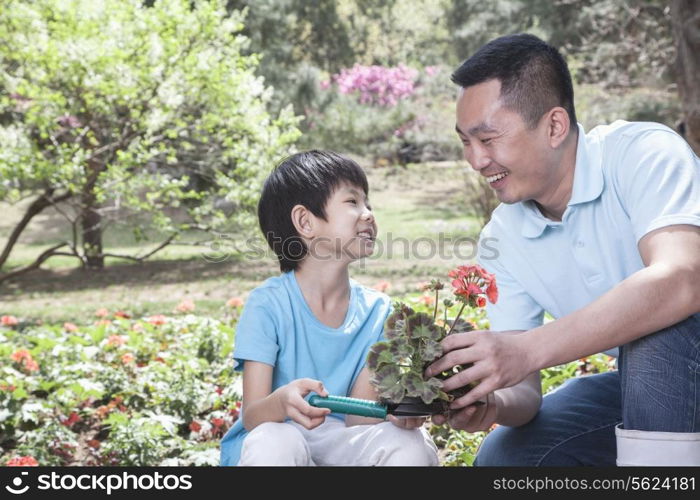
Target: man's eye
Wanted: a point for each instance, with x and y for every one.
(487, 140)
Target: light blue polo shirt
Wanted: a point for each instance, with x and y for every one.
(629, 179)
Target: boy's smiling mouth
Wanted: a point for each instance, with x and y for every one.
(366, 235)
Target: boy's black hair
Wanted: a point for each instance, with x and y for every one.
(533, 74)
(308, 178)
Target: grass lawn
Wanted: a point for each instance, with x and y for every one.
(419, 209)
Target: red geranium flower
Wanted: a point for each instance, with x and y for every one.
(195, 426)
(473, 282)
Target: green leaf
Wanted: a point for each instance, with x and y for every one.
(430, 350)
(379, 355)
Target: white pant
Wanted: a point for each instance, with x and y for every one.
(332, 443)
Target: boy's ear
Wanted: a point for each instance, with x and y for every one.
(302, 219)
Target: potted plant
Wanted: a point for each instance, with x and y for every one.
(413, 342)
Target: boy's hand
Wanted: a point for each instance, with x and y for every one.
(407, 422)
(290, 397)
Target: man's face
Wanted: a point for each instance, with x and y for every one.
(515, 160)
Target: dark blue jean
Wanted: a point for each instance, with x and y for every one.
(656, 388)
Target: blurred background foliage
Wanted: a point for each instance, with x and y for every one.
(621, 54)
(370, 78)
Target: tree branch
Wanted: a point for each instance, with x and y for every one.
(46, 199)
(34, 265)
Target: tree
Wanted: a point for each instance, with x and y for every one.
(149, 112)
(686, 27)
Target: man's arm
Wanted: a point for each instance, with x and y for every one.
(665, 292)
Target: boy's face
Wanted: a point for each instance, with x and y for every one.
(349, 231)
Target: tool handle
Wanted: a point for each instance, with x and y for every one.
(350, 406)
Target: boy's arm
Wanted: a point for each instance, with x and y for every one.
(261, 405)
(362, 390)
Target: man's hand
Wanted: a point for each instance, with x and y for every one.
(290, 398)
(474, 418)
(499, 360)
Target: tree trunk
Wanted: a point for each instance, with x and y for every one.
(685, 17)
(91, 220)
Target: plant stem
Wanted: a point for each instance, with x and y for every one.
(457, 318)
(436, 305)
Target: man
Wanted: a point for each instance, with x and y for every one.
(600, 230)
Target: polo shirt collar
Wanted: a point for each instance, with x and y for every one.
(588, 185)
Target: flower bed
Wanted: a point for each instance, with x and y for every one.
(150, 391)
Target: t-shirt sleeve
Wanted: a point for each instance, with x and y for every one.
(515, 309)
(256, 333)
(659, 181)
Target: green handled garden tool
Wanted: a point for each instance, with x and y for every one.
(374, 409)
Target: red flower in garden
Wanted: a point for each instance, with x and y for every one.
(382, 286)
(24, 357)
(20, 355)
(116, 340)
(7, 387)
(186, 306)
(127, 358)
(195, 426)
(217, 422)
(8, 321)
(70, 327)
(158, 319)
(481, 302)
(25, 461)
(31, 366)
(234, 302)
(93, 443)
(102, 312)
(72, 419)
(122, 314)
(428, 300)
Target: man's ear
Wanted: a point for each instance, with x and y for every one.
(558, 126)
(303, 221)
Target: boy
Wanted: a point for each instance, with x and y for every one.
(310, 328)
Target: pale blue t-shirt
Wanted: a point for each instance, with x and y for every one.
(629, 179)
(278, 328)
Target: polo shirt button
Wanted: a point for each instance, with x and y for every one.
(580, 244)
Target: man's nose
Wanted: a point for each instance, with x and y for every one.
(477, 156)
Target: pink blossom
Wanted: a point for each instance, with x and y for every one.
(377, 85)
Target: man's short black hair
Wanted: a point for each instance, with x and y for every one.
(534, 76)
(309, 178)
